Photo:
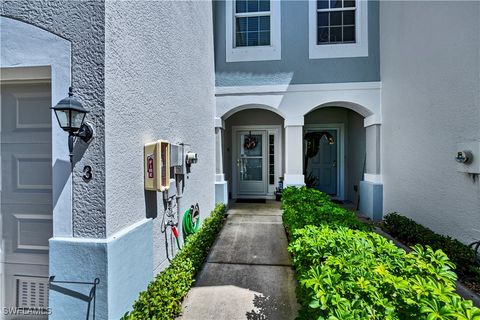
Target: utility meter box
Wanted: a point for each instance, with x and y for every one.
(468, 157)
(156, 157)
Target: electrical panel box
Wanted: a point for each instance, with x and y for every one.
(156, 156)
(176, 156)
(468, 157)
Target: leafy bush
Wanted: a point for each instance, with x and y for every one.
(162, 299)
(347, 272)
(305, 206)
(411, 233)
(353, 274)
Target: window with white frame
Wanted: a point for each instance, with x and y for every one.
(252, 30)
(338, 28)
(335, 21)
(252, 23)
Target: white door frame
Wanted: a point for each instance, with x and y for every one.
(276, 130)
(340, 128)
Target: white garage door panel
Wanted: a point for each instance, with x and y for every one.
(26, 194)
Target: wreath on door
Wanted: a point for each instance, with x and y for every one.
(250, 142)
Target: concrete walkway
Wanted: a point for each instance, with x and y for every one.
(248, 273)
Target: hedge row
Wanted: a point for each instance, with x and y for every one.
(316, 209)
(346, 271)
(411, 233)
(163, 297)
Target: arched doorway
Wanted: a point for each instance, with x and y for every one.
(253, 152)
(335, 168)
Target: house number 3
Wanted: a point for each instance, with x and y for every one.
(87, 173)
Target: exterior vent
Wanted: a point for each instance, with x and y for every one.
(32, 292)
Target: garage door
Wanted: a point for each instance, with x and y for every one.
(26, 196)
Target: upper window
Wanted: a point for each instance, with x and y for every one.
(252, 30)
(335, 21)
(338, 28)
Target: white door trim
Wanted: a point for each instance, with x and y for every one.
(340, 128)
(276, 130)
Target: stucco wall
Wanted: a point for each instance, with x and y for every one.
(295, 67)
(159, 84)
(430, 99)
(81, 23)
(354, 143)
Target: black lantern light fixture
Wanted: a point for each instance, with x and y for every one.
(70, 116)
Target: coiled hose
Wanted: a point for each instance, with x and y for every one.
(191, 221)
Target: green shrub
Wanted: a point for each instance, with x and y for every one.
(352, 274)
(411, 233)
(163, 297)
(306, 206)
(347, 272)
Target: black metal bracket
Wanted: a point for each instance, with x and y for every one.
(87, 298)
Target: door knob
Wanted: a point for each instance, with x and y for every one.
(334, 164)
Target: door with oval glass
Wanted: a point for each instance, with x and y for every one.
(251, 163)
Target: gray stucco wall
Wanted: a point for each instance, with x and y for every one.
(295, 67)
(354, 143)
(81, 23)
(159, 84)
(430, 100)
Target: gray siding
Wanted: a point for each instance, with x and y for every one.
(295, 66)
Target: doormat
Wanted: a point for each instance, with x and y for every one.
(251, 201)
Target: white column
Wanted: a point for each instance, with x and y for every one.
(219, 175)
(371, 188)
(372, 160)
(221, 186)
(294, 153)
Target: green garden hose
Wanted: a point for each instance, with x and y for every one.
(191, 220)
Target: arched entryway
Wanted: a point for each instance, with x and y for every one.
(335, 168)
(253, 151)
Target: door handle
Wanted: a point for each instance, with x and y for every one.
(334, 164)
(238, 162)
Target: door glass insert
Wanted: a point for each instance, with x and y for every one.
(252, 169)
(252, 145)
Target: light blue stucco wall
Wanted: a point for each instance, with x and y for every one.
(371, 200)
(123, 263)
(295, 67)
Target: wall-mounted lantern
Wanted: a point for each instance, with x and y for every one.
(70, 116)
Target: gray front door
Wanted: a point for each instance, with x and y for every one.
(26, 196)
(251, 163)
(324, 165)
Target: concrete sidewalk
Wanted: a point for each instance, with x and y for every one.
(248, 273)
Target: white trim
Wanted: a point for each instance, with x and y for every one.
(14, 74)
(340, 128)
(372, 120)
(293, 180)
(374, 85)
(374, 178)
(258, 53)
(341, 50)
(295, 101)
(270, 129)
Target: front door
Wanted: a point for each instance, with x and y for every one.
(251, 163)
(323, 166)
(26, 197)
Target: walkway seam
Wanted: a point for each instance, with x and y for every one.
(251, 264)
